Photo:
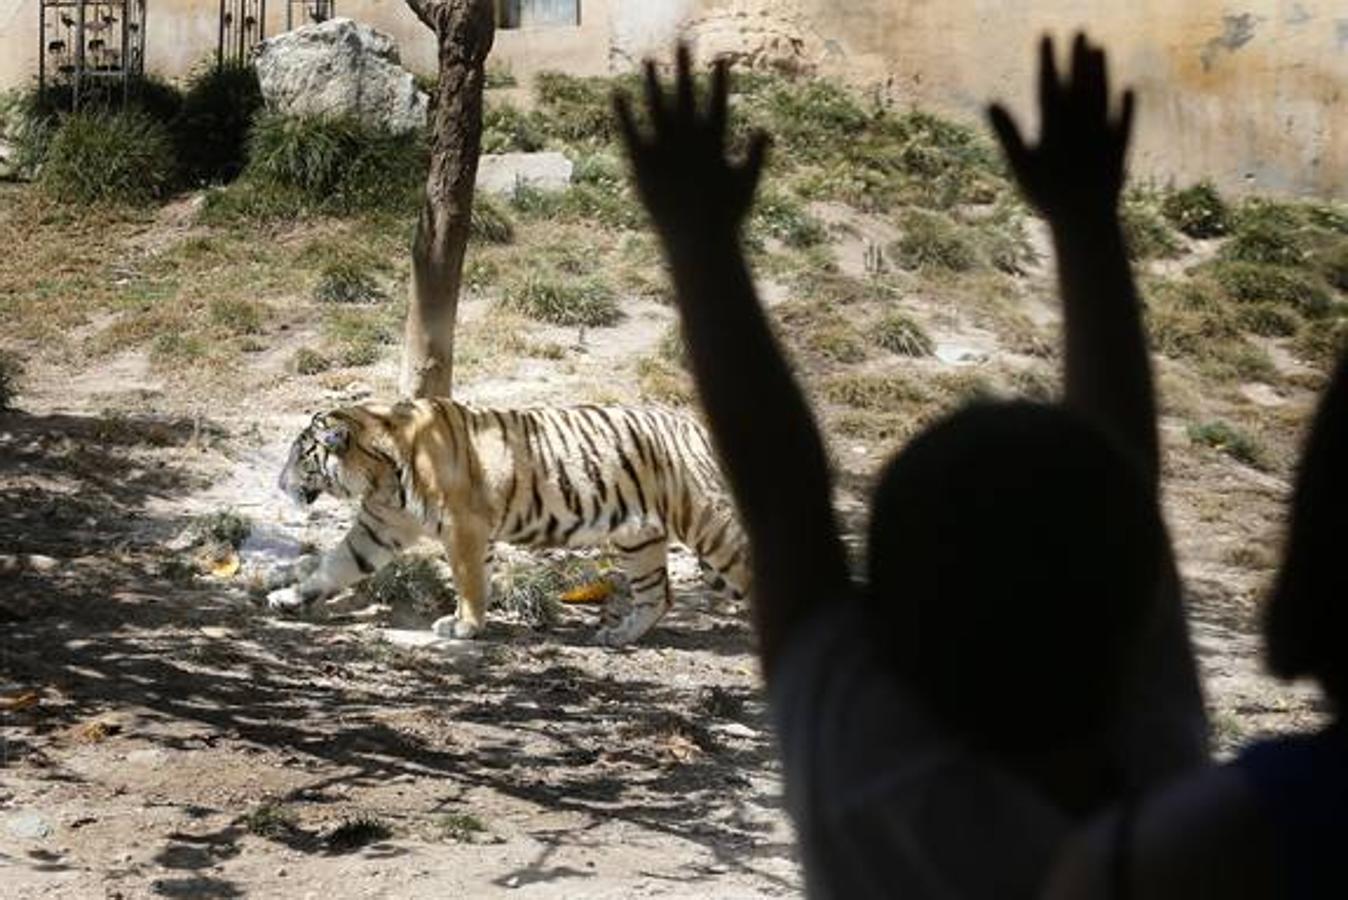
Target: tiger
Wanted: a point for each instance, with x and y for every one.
(467, 477)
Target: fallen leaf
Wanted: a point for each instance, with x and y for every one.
(95, 732)
(26, 700)
(225, 567)
(594, 592)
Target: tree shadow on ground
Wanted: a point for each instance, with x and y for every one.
(98, 623)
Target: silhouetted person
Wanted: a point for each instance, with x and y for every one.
(1275, 822)
(943, 725)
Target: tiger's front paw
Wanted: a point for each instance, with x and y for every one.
(456, 628)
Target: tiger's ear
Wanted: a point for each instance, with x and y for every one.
(335, 436)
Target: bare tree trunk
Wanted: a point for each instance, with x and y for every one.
(464, 30)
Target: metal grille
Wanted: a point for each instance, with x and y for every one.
(90, 51)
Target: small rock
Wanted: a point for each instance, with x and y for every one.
(736, 730)
(29, 826)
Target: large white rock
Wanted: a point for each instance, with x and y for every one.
(340, 68)
(499, 173)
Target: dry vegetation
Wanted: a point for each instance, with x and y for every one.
(903, 277)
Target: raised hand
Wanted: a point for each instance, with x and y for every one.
(691, 189)
(1077, 168)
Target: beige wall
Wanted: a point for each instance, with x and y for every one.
(1247, 92)
(1250, 93)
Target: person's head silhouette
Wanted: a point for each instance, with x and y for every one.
(1306, 622)
(1014, 554)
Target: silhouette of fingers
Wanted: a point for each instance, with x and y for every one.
(1008, 135)
(1123, 128)
(752, 166)
(1092, 83)
(716, 110)
(627, 124)
(684, 84)
(655, 100)
(1048, 86)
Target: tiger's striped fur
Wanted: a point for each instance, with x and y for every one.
(576, 476)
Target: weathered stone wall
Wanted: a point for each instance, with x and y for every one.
(1247, 91)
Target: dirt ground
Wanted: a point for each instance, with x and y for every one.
(165, 737)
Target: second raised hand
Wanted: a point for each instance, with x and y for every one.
(682, 174)
(1077, 168)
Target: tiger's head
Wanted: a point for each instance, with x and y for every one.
(327, 458)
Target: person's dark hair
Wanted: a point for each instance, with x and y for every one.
(1014, 554)
(1306, 621)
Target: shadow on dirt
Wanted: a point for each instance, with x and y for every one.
(92, 622)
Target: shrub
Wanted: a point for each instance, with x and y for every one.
(560, 300)
(1226, 438)
(346, 281)
(11, 371)
(210, 132)
(934, 241)
(1198, 211)
(1257, 283)
(900, 333)
(123, 157)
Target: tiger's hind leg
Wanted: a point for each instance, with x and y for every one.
(644, 555)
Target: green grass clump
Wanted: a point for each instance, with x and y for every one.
(421, 583)
(933, 241)
(1226, 438)
(11, 371)
(310, 362)
(900, 333)
(783, 217)
(96, 157)
(490, 222)
(347, 280)
(270, 820)
(300, 164)
(1322, 342)
(507, 129)
(564, 300)
(210, 132)
(1247, 282)
(460, 827)
(226, 527)
(356, 832)
(1198, 211)
(359, 336)
(577, 109)
(1269, 233)
(237, 315)
(175, 347)
(1146, 233)
(1191, 320)
(1332, 263)
(1268, 319)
